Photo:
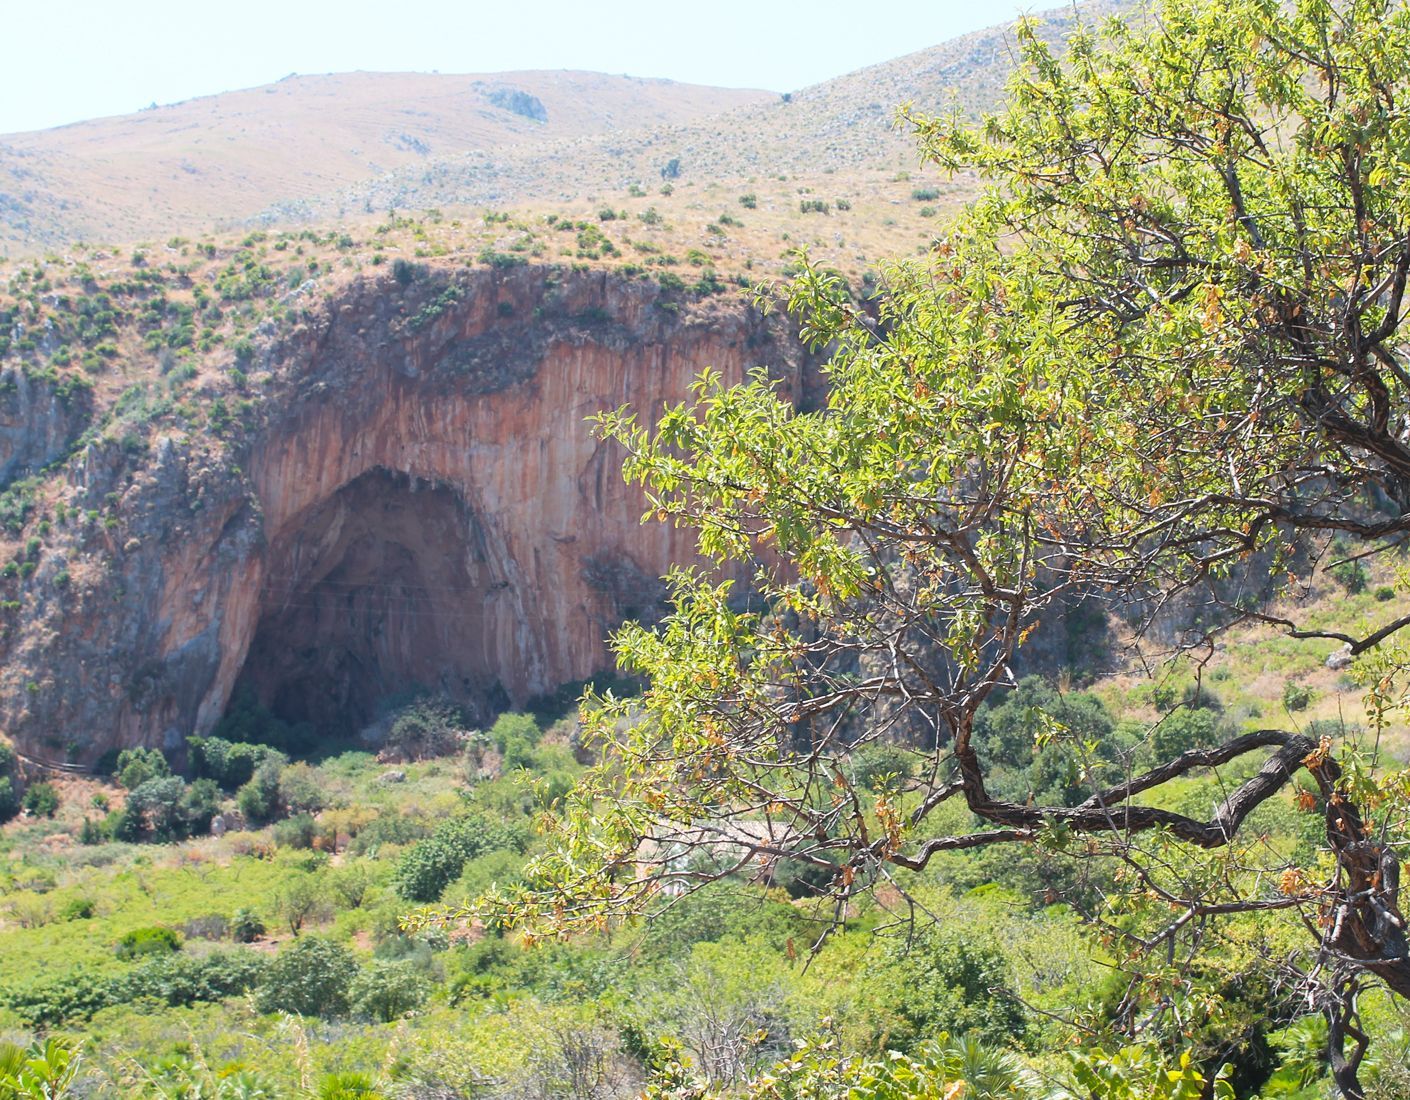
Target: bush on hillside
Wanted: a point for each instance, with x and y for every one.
(295, 832)
(137, 766)
(42, 800)
(147, 941)
(1182, 730)
(432, 864)
(1296, 696)
(175, 980)
(426, 727)
(385, 991)
(303, 789)
(310, 978)
(259, 799)
(232, 764)
(167, 809)
(939, 982)
(882, 765)
(515, 736)
(246, 926)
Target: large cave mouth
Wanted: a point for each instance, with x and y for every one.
(381, 589)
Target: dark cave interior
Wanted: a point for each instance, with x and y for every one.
(380, 589)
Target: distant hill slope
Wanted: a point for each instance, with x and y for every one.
(334, 148)
(845, 124)
(221, 158)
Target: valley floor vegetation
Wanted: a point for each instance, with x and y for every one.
(147, 957)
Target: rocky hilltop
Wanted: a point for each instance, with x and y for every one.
(410, 496)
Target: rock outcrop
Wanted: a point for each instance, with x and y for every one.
(415, 498)
(38, 423)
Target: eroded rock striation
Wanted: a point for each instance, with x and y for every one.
(415, 498)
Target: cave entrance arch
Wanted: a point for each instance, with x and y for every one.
(381, 588)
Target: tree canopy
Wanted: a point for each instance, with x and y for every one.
(1159, 364)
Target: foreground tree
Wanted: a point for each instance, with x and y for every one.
(1159, 360)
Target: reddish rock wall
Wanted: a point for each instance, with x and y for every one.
(471, 389)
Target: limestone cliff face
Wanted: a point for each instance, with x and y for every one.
(37, 425)
(416, 500)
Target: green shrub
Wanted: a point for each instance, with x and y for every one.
(51, 1001)
(296, 832)
(351, 883)
(1296, 696)
(78, 909)
(387, 990)
(1164, 696)
(259, 799)
(9, 799)
(147, 941)
(514, 736)
(174, 979)
(245, 926)
(42, 800)
(348, 1086)
(155, 808)
(389, 828)
(199, 804)
(137, 766)
(946, 982)
(1028, 734)
(300, 900)
(310, 978)
(1009, 730)
(303, 789)
(432, 864)
(1182, 730)
(426, 727)
(1196, 695)
(882, 766)
(183, 980)
(1351, 575)
(230, 763)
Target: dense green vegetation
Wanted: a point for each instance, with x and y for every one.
(276, 954)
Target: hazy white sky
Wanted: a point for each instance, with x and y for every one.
(64, 60)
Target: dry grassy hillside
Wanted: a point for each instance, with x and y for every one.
(219, 159)
(845, 125)
(350, 147)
